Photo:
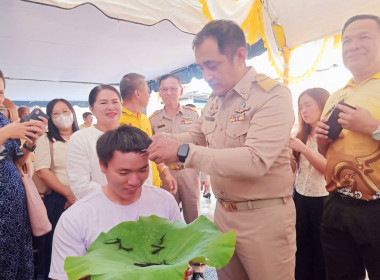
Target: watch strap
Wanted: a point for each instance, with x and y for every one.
(26, 147)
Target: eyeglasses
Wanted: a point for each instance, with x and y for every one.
(172, 89)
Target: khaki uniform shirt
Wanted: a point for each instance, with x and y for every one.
(241, 140)
(181, 122)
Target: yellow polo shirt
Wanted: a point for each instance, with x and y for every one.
(140, 121)
(353, 162)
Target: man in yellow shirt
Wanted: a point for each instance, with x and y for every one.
(134, 91)
(349, 228)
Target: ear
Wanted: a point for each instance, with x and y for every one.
(91, 109)
(180, 94)
(102, 167)
(241, 55)
(137, 93)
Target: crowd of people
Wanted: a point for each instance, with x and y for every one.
(303, 206)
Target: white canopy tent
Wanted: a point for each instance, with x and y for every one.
(48, 51)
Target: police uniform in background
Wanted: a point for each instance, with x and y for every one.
(188, 180)
(246, 133)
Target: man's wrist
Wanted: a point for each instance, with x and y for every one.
(372, 126)
(183, 152)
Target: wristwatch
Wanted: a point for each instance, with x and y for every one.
(376, 134)
(30, 149)
(182, 153)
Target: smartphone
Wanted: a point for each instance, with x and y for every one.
(34, 115)
(335, 127)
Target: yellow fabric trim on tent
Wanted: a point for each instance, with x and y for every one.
(254, 26)
(252, 22)
(206, 10)
(337, 39)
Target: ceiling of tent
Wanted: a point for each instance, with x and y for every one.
(49, 52)
(81, 45)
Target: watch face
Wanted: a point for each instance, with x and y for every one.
(182, 153)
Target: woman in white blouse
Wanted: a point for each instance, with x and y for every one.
(61, 126)
(309, 185)
(82, 161)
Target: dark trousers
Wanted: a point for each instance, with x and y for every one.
(309, 256)
(54, 204)
(350, 235)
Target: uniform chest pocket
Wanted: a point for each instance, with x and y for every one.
(160, 128)
(184, 127)
(208, 129)
(236, 133)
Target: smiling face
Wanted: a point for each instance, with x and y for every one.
(170, 91)
(361, 49)
(126, 173)
(309, 110)
(107, 109)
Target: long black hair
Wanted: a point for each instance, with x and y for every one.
(320, 96)
(53, 131)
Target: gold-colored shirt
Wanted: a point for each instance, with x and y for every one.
(353, 162)
(140, 121)
(241, 140)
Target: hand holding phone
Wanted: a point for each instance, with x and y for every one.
(335, 127)
(35, 114)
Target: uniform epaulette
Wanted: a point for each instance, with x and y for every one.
(191, 108)
(265, 82)
(154, 113)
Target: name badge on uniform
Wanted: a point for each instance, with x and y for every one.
(210, 119)
(161, 125)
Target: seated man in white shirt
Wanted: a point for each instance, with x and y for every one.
(123, 159)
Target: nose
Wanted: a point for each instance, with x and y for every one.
(207, 75)
(352, 45)
(133, 179)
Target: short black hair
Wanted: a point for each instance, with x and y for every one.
(167, 76)
(53, 131)
(95, 91)
(125, 139)
(129, 83)
(85, 115)
(228, 35)
(360, 17)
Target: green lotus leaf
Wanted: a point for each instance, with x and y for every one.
(153, 248)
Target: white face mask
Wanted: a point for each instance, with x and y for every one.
(63, 121)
